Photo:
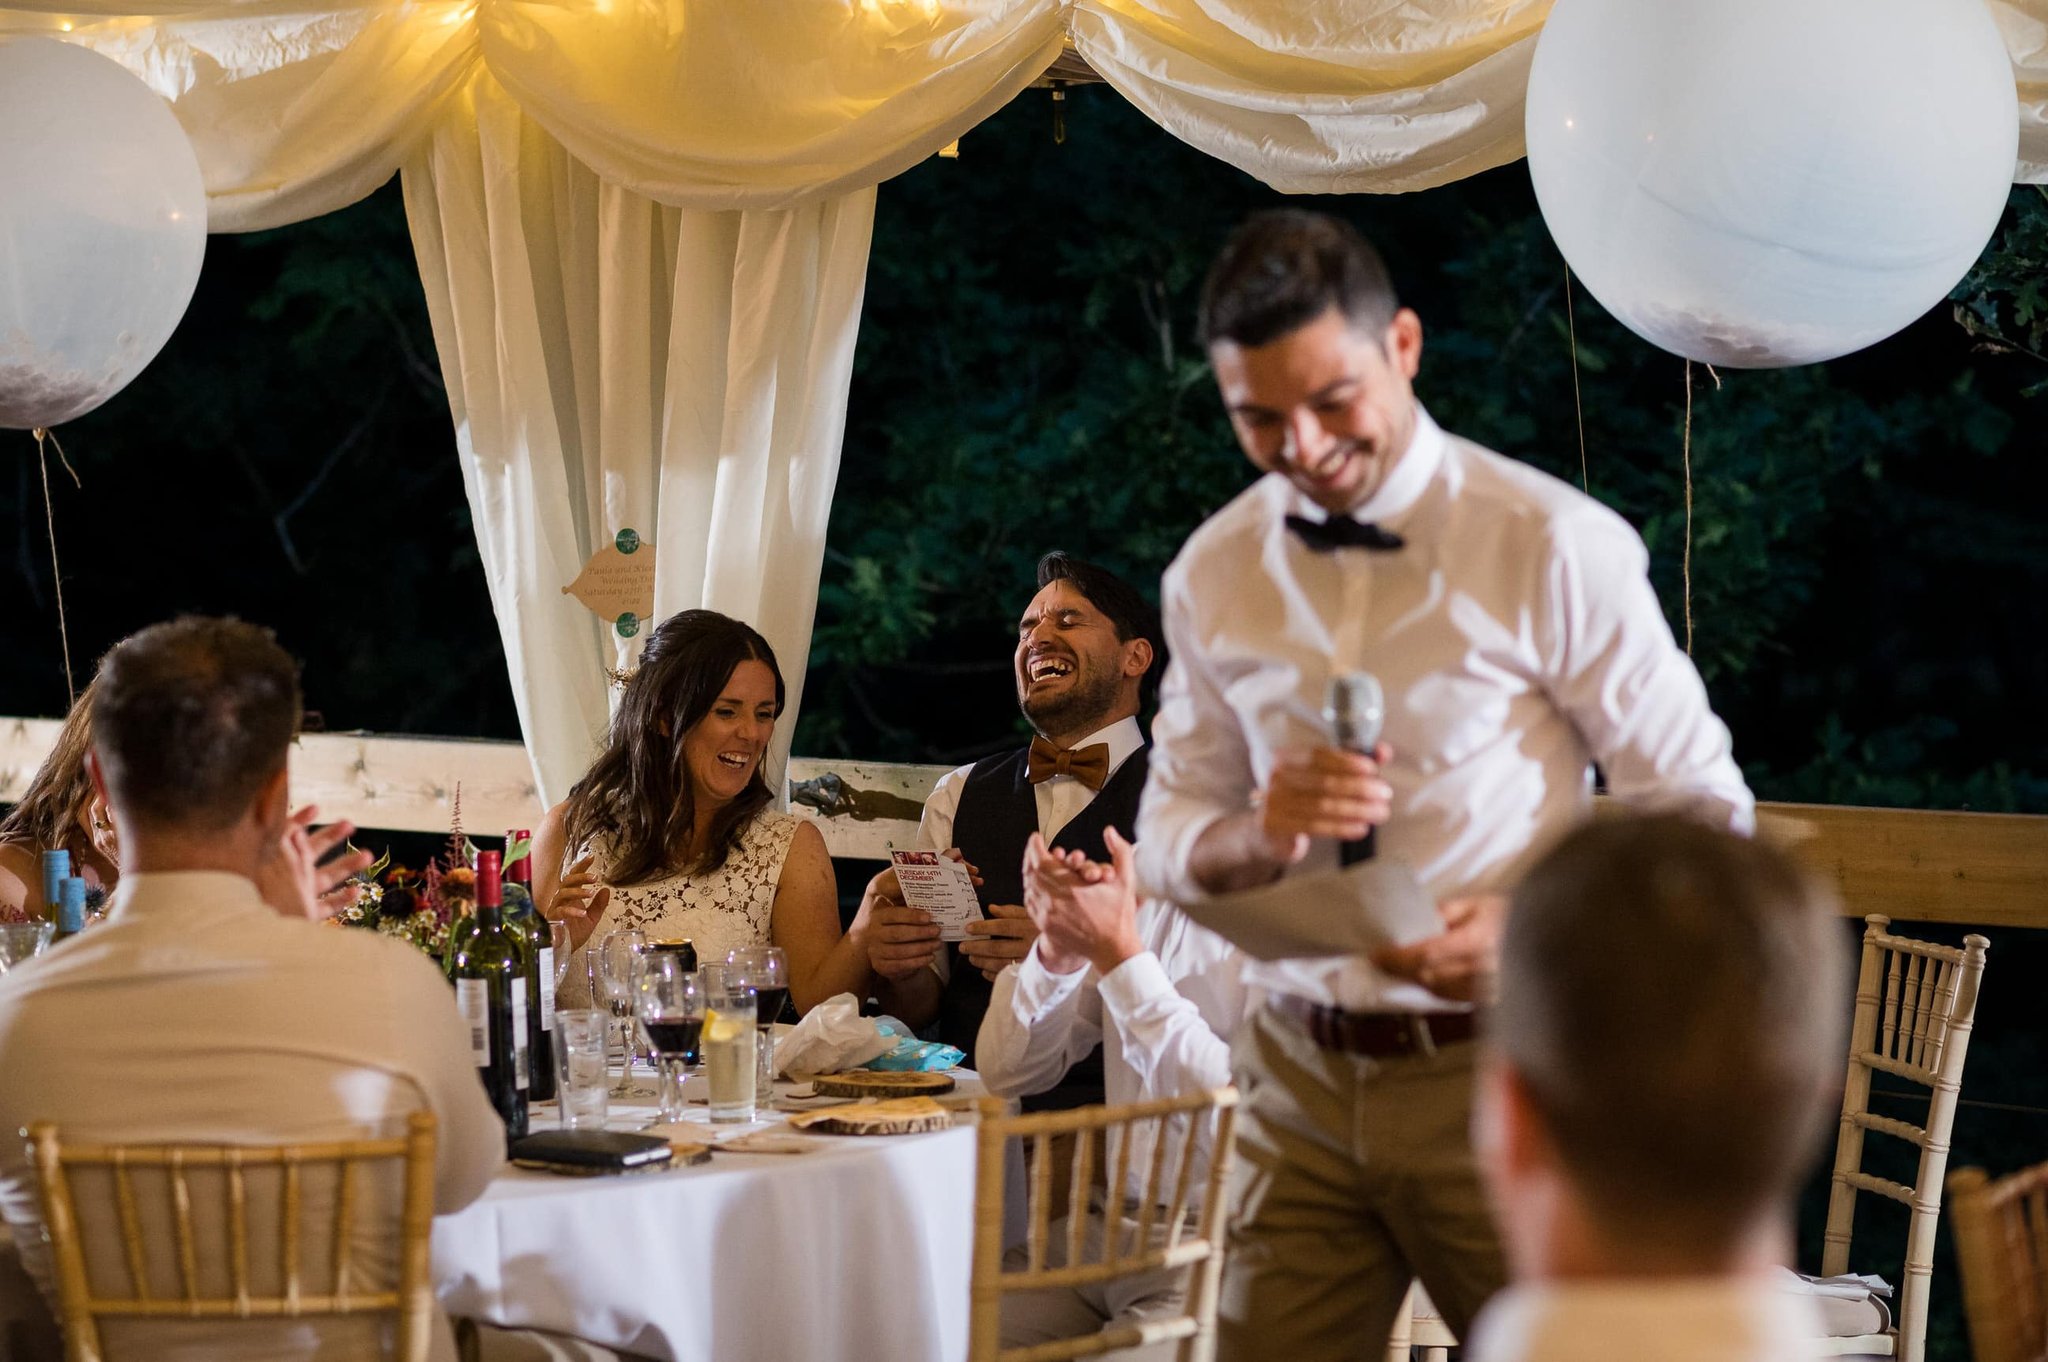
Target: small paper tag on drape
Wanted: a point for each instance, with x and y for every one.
(618, 582)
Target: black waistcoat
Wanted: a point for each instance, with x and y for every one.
(997, 814)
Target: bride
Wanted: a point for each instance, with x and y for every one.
(671, 831)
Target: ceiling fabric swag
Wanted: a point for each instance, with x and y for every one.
(296, 111)
(2024, 25)
(292, 113)
(764, 103)
(1365, 98)
(613, 363)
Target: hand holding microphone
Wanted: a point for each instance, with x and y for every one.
(1333, 792)
(1355, 708)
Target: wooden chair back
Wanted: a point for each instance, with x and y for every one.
(2001, 1238)
(1177, 1221)
(1915, 1005)
(319, 1269)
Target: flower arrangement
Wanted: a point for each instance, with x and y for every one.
(422, 907)
(415, 906)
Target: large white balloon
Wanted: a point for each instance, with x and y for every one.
(1759, 183)
(102, 228)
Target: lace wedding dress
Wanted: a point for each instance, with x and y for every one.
(728, 907)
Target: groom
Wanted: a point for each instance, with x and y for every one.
(1085, 647)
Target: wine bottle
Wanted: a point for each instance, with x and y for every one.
(56, 869)
(521, 910)
(70, 908)
(489, 970)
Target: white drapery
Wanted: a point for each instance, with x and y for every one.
(643, 223)
(616, 363)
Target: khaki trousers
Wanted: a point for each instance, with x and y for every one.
(1353, 1176)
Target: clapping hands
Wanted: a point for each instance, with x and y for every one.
(1086, 913)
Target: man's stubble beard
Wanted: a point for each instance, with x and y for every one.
(1082, 710)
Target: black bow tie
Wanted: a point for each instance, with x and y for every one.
(1342, 532)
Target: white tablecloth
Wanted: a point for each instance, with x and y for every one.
(858, 1250)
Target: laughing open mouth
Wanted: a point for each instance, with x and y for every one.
(1046, 668)
(737, 761)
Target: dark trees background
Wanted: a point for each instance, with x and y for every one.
(1868, 566)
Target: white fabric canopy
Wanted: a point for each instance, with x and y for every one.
(299, 109)
(613, 363)
(643, 223)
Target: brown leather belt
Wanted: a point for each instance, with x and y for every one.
(1376, 1035)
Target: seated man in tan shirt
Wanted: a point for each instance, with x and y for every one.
(1663, 1058)
(198, 1012)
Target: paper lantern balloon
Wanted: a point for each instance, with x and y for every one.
(1759, 183)
(102, 228)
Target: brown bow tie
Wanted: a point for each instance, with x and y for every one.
(1089, 765)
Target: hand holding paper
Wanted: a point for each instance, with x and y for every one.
(1461, 961)
(901, 940)
(1368, 907)
(941, 885)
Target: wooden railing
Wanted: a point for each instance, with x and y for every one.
(1914, 865)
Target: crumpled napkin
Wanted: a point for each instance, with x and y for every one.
(833, 1036)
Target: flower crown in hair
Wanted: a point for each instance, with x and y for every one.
(621, 676)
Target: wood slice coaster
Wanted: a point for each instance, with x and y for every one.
(685, 1142)
(897, 1116)
(876, 1083)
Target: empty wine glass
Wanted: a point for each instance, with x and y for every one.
(767, 969)
(670, 1003)
(616, 956)
(558, 937)
(21, 941)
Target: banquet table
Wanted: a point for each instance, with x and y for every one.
(859, 1249)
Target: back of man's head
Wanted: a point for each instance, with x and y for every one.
(1123, 604)
(1673, 1003)
(1284, 268)
(191, 719)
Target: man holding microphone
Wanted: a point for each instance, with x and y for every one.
(1511, 623)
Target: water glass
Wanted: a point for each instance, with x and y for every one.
(21, 941)
(767, 969)
(670, 1003)
(580, 1066)
(728, 1045)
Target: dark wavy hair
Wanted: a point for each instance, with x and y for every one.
(636, 795)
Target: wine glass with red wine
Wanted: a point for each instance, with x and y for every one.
(670, 1003)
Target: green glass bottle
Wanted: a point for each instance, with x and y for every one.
(489, 969)
(521, 912)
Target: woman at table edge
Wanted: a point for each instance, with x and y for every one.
(678, 794)
(59, 808)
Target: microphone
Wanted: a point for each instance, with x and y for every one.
(1355, 708)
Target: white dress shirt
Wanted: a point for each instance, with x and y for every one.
(1516, 636)
(195, 1013)
(1164, 1019)
(1705, 1319)
(1059, 799)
